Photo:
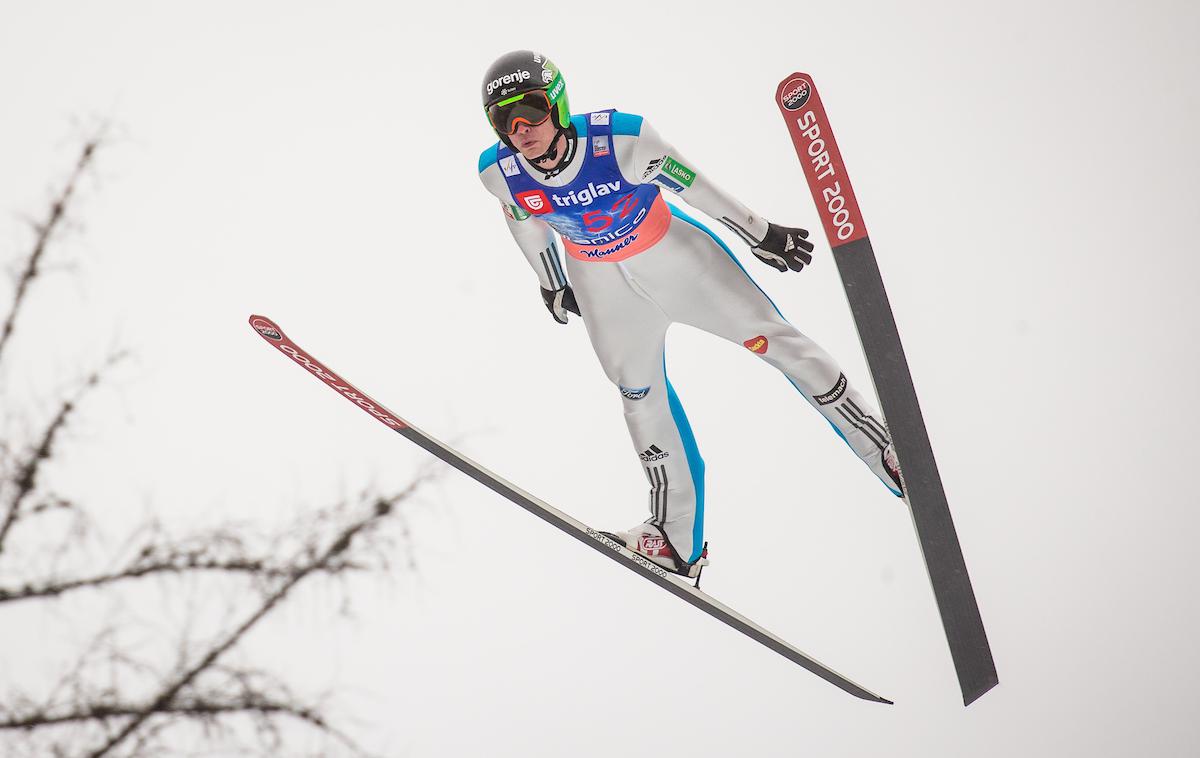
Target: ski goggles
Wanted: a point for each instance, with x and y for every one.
(532, 108)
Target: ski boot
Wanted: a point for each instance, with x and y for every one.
(648, 541)
(892, 466)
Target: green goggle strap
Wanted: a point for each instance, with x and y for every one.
(557, 85)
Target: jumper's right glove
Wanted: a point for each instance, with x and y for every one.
(558, 302)
(784, 247)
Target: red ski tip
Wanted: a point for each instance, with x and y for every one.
(267, 328)
(794, 91)
(271, 332)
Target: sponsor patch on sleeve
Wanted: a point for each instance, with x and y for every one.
(757, 344)
(839, 389)
(513, 212)
(679, 172)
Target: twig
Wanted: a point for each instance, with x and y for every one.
(382, 507)
(44, 232)
(25, 477)
(253, 566)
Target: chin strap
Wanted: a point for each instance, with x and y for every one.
(552, 153)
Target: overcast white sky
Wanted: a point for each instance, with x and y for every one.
(1028, 175)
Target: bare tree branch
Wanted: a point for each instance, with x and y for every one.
(262, 709)
(382, 507)
(199, 708)
(126, 695)
(26, 475)
(204, 691)
(175, 564)
(45, 231)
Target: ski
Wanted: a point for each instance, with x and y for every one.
(818, 152)
(275, 336)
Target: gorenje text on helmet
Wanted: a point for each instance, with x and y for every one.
(513, 78)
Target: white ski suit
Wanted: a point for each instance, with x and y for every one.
(639, 264)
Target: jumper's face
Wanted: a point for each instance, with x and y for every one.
(532, 141)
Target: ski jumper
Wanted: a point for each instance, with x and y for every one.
(637, 264)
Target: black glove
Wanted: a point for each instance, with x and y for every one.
(558, 302)
(784, 247)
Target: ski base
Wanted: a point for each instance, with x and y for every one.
(274, 335)
(808, 125)
(925, 495)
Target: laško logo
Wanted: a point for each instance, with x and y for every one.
(756, 344)
(534, 201)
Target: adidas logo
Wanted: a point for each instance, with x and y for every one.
(653, 453)
(790, 244)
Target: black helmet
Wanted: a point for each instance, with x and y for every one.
(514, 75)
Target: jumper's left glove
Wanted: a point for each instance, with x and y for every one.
(784, 247)
(558, 302)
